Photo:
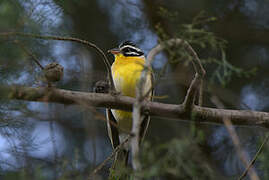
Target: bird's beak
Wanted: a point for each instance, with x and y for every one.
(114, 51)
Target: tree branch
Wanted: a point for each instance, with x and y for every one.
(254, 158)
(239, 150)
(137, 119)
(71, 39)
(203, 114)
(200, 72)
(29, 53)
(117, 149)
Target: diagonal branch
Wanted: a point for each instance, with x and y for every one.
(235, 139)
(239, 150)
(255, 158)
(71, 39)
(114, 152)
(200, 72)
(190, 96)
(29, 53)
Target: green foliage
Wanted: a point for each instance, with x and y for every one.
(10, 13)
(210, 48)
(179, 159)
(263, 159)
(176, 159)
(122, 173)
(24, 175)
(14, 63)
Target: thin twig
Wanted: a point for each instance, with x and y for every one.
(198, 67)
(55, 152)
(77, 40)
(201, 91)
(196, 82)
(29, 53)
(190, 96)
(240, 152)
(254, 158)
(196, 60)
(175, 42)
(117, 149)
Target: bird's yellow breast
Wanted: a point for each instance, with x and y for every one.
(126, 72)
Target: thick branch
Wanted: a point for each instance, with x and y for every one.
(203, 114)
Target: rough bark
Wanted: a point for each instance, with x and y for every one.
(201, 114)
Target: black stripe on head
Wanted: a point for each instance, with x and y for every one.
(128, 48)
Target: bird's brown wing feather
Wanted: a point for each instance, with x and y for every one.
(122, 155)
(113, 132)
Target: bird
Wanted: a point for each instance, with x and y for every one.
(129, 62)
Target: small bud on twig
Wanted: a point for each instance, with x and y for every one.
(53, 72)
(101, 87)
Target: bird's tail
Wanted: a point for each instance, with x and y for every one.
(118, 170)
(121, 158)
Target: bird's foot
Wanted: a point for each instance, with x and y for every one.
(114, 93)
(101, 87)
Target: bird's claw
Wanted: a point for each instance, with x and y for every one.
(114, 93)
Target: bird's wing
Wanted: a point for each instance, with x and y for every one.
(113, 132)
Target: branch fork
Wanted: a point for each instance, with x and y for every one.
(200, 72)
(138, 105)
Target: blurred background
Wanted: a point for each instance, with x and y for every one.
(54, 141)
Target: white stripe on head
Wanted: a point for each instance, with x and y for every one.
(130, 46)
(132, 53)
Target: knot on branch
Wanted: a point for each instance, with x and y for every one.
(101, 87)
(53, 72)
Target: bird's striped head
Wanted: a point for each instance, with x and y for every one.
(127, 48)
